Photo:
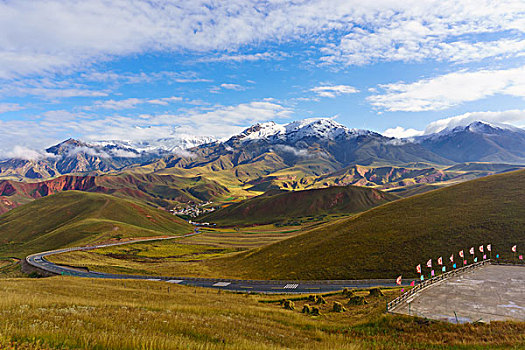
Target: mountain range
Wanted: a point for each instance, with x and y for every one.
(306, 154)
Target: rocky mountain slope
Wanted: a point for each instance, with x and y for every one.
(159, 190)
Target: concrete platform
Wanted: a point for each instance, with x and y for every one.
(490, 293)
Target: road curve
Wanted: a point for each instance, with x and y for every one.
(251, 286)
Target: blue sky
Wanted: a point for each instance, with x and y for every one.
(136, 70)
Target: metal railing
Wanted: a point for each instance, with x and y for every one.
(425, 284)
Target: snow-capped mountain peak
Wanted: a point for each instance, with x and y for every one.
(321, 128)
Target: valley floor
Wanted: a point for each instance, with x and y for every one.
(66, 313)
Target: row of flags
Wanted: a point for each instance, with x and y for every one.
(461, 254)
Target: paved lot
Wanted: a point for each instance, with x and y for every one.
(490, 293)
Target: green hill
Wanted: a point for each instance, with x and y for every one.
(74, 218)
(165, 191)
(392, 239)
(284, 206)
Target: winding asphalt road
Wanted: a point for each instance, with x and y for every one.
(251, 286)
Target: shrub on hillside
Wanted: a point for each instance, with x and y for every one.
(357, 300)
(306, 309)
(289, 305)
(312, 298)
(376, 292)
(315, 311)
(338, 307)
(348, 292)
(321, 300)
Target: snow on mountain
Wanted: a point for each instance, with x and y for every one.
(322, 128)
(477, 127)
(162, 145)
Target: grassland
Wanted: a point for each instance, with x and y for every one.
(289, 205)
(67, 313)
(183, 257)
(74, 218)
(392, 239)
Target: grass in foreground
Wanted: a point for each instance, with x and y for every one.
(66, 313)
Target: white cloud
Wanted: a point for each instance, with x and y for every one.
(334, 90)
(25, 153)
(10, 107)
(450, 90)
(217, 121)
(165, 100)
(260, 56)
(56, 35)
(235, 87)
(514, 117)
(400, 132)
(130, 103)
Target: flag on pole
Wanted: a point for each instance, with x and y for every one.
(429, 263)
(443, 269)
(422, 278)
(452, 258)
(461, 254)
(484, 256)
(476, 259)
(489, 247)
(412, 284)
(398, 281)
(432, 273)
(481, 249)
(464, 262)
(521, 257)
(471, 251)
(418, 268)
(440, 260)
(514, 249)
(454, 266)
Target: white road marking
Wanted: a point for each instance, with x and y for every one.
(222, 284)
(291, 286)
(175, 281)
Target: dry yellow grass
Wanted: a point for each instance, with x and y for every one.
(69, 313)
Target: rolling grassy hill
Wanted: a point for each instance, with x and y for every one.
(392, 239)
(75, 218)
(158, 190)
(288, 205)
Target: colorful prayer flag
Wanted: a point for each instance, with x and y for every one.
(422, 278)
(454, 266)
(481, 249)
(471, 251)
(413, 283)
(440, 260)
(452, 258)
(514, 249)
(461, 253)
(443, 269)
(484, 256)
(418, 268)
(429, 263)
(398, 281)
(432, 273)
(489, 247)
(497, 256)
(464, 262)
(521, 257)
(475, 259)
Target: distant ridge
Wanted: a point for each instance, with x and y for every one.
(284, 206)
